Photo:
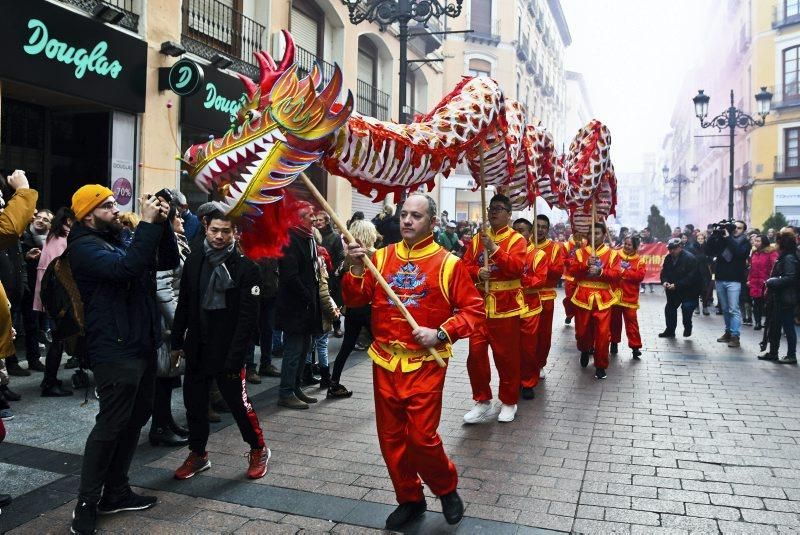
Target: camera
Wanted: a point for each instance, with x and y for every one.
(164, 193)
(725, 224)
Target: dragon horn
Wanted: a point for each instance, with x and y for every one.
(288, 56)
(249, 84)
(329, 94)
(266, 63)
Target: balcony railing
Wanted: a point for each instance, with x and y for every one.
(372, 101)
(522, 50)
(780, 19)
(482, 36)
(785, 96)
(305, 60)
(786, 168)
(538, 78)
(530, 66)
(210, 27)
(548, 90)
(131, 19)
(532, 7)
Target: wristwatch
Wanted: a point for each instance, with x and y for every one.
(441, 335)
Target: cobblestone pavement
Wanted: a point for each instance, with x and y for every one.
(694, 438)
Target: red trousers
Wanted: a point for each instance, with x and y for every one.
(569, 291)
(593, 330)
(503, 335)
(408, 407)
(528, 346)
(631, 326)
(545, 337)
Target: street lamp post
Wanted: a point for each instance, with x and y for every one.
(680, 179)
(387, 12)
(731, 119)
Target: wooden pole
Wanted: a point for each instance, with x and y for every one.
(535, 226)
(367, 262)
(485, 223)
(591, 230)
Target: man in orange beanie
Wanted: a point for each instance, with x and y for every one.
(123, 330)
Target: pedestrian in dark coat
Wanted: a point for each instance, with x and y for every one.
(682, 284)
(215, 322)
(782, 300)
(299, 313)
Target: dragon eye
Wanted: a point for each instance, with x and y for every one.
(253, 115)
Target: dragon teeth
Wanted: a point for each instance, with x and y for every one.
(278, 135)
(223, 159)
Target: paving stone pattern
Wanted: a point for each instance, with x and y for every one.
(694, 438)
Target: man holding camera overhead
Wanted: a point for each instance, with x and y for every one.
(730, 247)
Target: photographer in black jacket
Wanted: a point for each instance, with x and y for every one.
(681, 279)
(731, 248)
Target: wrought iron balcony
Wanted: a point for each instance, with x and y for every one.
(485, 35)
(522, 49)
(532, 7)
(530, 66)
(548, 90)
(786, 168)
(786, 96)
(305, 60)
(372, 101)
(131, 19)
(538, 76)
(424, 38)
(211, 27)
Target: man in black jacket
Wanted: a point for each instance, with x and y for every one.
(731, 248)
(123, 330)
(299, 313)
(216, 319)
(681, 280)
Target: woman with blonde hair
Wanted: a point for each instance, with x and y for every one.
(366, 235)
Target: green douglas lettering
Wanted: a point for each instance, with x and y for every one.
(94, 61)
(220, 103)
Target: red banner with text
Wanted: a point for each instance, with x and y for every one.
(653, 255)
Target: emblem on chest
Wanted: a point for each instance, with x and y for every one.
(409, 284)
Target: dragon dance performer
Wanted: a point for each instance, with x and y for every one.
(595, 273)
(633, 269)
(436, 288)
(554, 258)
(534, 277)
(505, 303)
(570, 246)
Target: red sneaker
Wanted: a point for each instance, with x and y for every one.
(259, 461)
(194, 464)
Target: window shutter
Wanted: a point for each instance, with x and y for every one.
(305, 31)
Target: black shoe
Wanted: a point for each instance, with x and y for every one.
(758, 327)
(9, 394)
(567, 321)
(687, 332)
(72, 362)
(706, 312)
(637, 353)
(269, 371)
(338, 391)
(325, 377)
(666, 334)
(36, 365)
(405, 513)
(84, 519)
(747, 322)
(14, 369)
(308, 377)
(584, 359)
(55, 391)
(164, 436)
(527, 393)
(452, 507)
(614, 348)
(767, 356)
(128, 502)
(5, 499)
(600, 373)
(178, 429)
(788, 359)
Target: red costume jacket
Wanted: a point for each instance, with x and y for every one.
(534, 277)
(435, 287)
(505, 297)
(569, 250)
(595, 292)
(632, 272)
(555, 255)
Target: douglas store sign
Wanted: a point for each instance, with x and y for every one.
(48, 46)
(215, 104)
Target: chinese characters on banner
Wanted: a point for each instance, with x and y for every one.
(653, 255)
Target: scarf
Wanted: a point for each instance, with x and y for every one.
(220, 281)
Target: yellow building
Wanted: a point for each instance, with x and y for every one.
(112, 122)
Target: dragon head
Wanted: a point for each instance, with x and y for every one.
(285, 125)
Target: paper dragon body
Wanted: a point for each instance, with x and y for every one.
(289, 123)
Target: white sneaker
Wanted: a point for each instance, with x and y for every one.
(507, 413)
(479, 413)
